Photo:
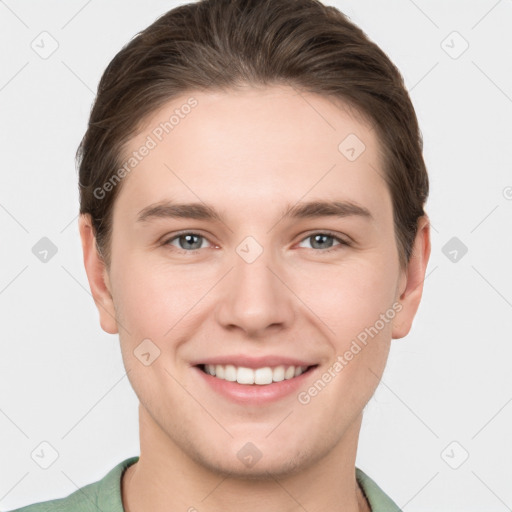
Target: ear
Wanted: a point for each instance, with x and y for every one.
(97, 275)
(410, 287)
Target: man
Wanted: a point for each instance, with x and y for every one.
(252, 223)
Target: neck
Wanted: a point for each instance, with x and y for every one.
(167, 478)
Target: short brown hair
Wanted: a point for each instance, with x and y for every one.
(222, 44)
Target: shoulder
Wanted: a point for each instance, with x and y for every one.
(104, 495)
(379, 501)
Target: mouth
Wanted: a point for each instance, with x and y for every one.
(263, 376)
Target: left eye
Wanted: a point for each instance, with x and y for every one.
(319, 241)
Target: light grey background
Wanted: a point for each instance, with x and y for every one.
(61, 377)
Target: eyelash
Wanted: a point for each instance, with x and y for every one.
(342, 242)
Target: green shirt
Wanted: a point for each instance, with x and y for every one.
(105, 495)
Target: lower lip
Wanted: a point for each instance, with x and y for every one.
(255, 394)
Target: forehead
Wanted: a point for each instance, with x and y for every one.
(253, 145)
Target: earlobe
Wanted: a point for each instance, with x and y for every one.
(97, 276)
(411, 284)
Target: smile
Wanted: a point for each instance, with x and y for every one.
(249, 376)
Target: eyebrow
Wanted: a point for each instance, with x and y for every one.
(304, 210)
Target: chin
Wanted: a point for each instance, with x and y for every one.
(250, 463)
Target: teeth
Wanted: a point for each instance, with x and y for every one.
(290, 372)
(229, 372)
(260, 376)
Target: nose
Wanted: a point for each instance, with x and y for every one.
(256, 297)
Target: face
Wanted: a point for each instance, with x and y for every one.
(254, 277)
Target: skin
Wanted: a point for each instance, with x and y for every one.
(249, 154)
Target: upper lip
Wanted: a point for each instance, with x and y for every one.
(254, 362)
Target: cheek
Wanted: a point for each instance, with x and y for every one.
(351, 297)
(357, 307)
(153, 298)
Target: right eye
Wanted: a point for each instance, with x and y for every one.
(189, 242)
